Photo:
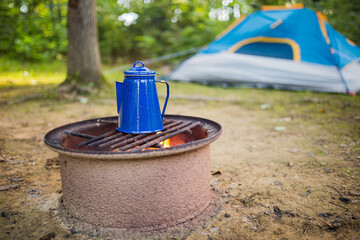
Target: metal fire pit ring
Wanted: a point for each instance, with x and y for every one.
(143, 190)
(53, 140)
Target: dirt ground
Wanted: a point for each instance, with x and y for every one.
(287, 165)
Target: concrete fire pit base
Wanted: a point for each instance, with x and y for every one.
(178, 231)
(149, 193)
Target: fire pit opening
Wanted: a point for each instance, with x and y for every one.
(108, 139)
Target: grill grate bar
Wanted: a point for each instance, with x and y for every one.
(155, 141)
(166, 122)
(132, 139)
(113, 139)
(154, 136)
(105, 121)
(96, 138)
(105, 140)
(77, 134)
(116, 140)
(101, 141)
(138, 137)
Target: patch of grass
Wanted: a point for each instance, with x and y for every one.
(15, 73)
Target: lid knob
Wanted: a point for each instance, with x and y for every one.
(139, 69)
(143, 65)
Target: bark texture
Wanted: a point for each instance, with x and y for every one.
(84, 69)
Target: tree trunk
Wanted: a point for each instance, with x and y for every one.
(84, 69)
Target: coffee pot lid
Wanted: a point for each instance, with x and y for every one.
(139, 70)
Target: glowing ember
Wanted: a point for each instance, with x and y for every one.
(160, 145)
(166, 143)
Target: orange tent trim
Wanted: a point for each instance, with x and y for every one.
(284, 7)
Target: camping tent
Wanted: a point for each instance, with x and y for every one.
(280, 47)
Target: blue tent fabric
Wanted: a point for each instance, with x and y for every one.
(344, 52)
(276, 50)
(297, 25)
(274, 33)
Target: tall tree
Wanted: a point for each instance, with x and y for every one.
(84, 69)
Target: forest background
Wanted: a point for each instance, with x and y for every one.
(35, 30)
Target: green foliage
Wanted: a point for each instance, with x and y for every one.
(33, 29)
(343, 16)
(36, 29)
(161, 27)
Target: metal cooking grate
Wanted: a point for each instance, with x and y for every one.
(115, 140)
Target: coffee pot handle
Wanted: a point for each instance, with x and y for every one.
(167, 96)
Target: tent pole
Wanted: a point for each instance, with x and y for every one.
(343, 79)
(338, 68)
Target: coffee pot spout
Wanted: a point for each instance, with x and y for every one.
(119, 93)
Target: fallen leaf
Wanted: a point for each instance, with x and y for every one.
(217, 172)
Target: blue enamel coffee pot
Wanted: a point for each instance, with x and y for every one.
(137, 101)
